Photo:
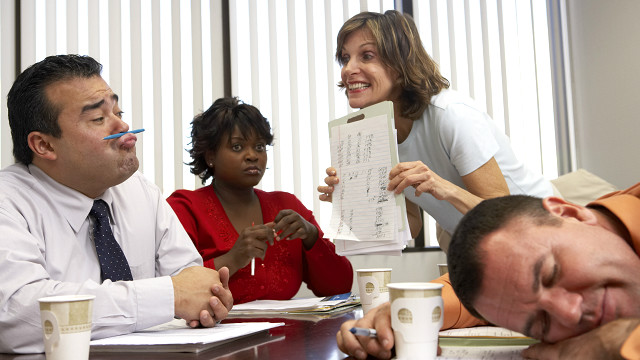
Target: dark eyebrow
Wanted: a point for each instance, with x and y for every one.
(372, 43)
(537, 267)
(98, 104)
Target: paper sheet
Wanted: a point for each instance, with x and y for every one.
(363, 205)
(482, 331)
(484, 337)
(489, 353)
(177, 336)
(366, 217)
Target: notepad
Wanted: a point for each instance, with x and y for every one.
(366, 217)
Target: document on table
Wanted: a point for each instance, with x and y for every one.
(366, 217)
(295, 306)
(482, 352)
(483, 336)
(177, 336)
(483, 342)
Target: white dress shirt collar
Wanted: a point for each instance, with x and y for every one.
(72, 204)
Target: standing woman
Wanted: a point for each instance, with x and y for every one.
(231, 222)
(452, 154)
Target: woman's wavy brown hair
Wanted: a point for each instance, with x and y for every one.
(400, 48)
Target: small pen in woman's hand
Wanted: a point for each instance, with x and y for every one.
(253, 261)
(364, 332)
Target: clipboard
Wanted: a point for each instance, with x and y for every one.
(380, 114)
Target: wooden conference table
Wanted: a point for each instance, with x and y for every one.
(299, 338)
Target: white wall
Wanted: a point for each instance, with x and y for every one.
(604, 41)
(414, 266)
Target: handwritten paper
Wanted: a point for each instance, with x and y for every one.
(363, 163)
(366, 217)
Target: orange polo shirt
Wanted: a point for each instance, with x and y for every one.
(625, 205)
(455, 315)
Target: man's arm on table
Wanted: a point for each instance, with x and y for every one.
(619, 339)
(455, 316)
(120, 307)
(201, 295)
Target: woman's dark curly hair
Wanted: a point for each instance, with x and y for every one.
(210, 129)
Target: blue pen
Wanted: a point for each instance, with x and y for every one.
(115, 136)
(364, 332)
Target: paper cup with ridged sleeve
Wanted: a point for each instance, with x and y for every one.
(443, 269)
(66, 326)
(416, 319)
(372, 286)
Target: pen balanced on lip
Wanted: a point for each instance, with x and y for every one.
(115, 136)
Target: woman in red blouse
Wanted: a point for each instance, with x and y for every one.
(231, 222)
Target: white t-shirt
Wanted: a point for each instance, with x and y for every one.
(454, 138)
(46, 249)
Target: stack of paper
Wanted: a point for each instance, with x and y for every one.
(366, 217)
(317, 305)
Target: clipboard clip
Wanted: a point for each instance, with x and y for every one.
(355, 118)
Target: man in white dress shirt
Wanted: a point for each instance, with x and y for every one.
(60, 109)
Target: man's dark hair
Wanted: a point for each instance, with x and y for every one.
(28, 107)
(465, 258)
(212, 128)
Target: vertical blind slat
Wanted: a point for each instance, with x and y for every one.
(217, 49)
(94, 29)
(487, 59)
(7, 75)
(313, 107)
(435, 31)
(72, 26)
(469, 48)
(50, 26)
(329, 48)
(196, 53)
(27, 33)
(293, 85)
(275, 94)
(136, 75)
(177, 90)
(158, 155)
(254, 56)
(505, 97)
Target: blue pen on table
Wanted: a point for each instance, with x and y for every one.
(115, 136)
(364, 332)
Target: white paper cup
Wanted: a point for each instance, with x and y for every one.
(372, 285)
(416, 319)
(66, 325)
(443, 268)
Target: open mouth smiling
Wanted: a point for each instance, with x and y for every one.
(358, 86)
